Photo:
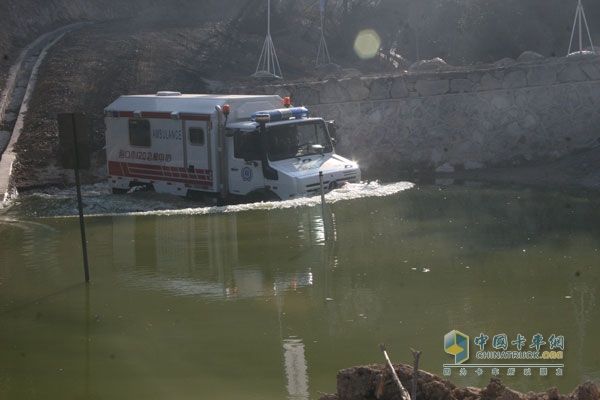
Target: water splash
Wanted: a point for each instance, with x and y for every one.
(99, 201)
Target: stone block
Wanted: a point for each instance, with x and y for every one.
(514, 79)
(571, 72)
(305, 95)
(332, 92)
(591, 70)
(355, 89)
(501, 102)
(432, 88)
(542, 75)
(399, 89)
(380, 88)
(529, 56)
(489, 81)
(461, 85)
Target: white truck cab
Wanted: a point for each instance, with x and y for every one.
(230, 147)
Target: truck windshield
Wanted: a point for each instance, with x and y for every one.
(297, 139)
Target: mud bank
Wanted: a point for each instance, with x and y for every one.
(366, 383)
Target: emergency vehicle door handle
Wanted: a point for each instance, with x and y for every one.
(235, 169)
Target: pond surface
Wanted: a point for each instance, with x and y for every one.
(269, 301)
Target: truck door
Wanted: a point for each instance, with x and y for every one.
(245, 170)
(197, 159)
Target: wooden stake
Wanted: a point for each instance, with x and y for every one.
(403, 393)
(381, 384)
(416, 354)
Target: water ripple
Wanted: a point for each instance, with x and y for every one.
(99, 201)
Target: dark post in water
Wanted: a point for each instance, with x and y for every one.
(323, 204)
(73, 138)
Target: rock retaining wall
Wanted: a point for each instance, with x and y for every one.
(451, 119)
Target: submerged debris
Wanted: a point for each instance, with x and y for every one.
(362, 382)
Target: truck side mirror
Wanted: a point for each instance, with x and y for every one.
(332, 128)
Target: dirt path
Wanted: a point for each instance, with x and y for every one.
(14, 101)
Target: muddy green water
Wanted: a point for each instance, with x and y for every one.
(254, 303)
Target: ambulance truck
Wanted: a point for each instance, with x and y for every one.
(230, 148)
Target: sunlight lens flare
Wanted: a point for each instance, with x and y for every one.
(366, 44)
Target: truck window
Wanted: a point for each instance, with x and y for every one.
(139, 132)
(283, 142)
(196, 135)
(298, 139)
(246, 145)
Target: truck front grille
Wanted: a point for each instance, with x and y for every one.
(315, 188)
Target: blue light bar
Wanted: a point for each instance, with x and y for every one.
(280, 114)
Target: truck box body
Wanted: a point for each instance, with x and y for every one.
(220, 145)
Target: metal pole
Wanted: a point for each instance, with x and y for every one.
(573, 32)
(588, 30)
(269, 17)
(269, 40)
(579, 12)
(268, 58)
(322, 43)
(323, 204)
(580, 20)
(86, 269)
